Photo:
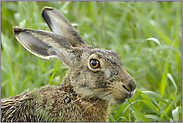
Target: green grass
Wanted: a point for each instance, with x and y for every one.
(147, 36)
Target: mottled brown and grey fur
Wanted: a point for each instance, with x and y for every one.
(96, 77)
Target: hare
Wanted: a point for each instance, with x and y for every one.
(95, 78)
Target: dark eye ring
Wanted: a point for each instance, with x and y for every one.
(94, 63)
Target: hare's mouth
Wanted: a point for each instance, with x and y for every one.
(122, 100)
(115, 100)
(119, 101)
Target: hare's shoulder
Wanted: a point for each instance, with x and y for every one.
(36, 105)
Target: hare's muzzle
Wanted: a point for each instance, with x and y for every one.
(123, 89)
(129, 85)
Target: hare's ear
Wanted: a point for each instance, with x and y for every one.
(60, 25)
(45, 44)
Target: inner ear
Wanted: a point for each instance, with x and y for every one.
(60, 25)
(46, 44)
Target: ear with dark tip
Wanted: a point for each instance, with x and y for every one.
(45, 44)
(60, 25)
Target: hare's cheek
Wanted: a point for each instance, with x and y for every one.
(82, 82)
(110, 74)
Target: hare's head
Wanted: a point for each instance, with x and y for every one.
(93, 72)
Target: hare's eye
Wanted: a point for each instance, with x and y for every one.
(94, 63)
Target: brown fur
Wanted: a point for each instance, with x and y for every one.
(85, 92)
(51, 103)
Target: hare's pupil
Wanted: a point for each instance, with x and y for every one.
(94, 62)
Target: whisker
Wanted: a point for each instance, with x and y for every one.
(90, 97)
(74, 101)
(100, 87)
(113, 87)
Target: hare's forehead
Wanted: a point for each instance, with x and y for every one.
(107, 55)
(102, 53)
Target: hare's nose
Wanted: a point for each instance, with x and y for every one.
(129, 85)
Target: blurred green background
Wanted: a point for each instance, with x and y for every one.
(147, 36)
